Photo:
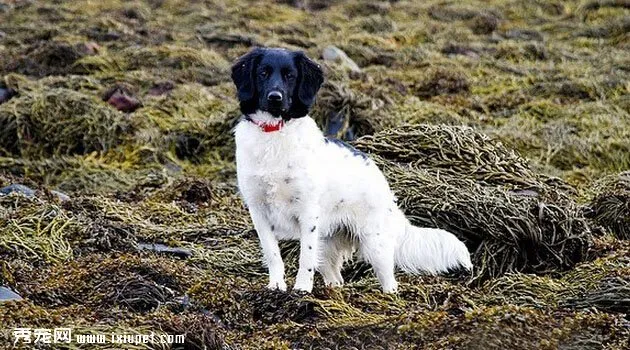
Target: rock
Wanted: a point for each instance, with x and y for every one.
(89, 48)
(484, 24)
(6, 94)
(60, 195)
(17, 188)
(122, 99)
(335, 54)
(456, 49)
(161, 248)
(523, 34)
(7, 294)
(161, 88)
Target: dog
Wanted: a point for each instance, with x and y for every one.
(300, 185)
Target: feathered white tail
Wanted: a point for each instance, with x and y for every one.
(431, 251)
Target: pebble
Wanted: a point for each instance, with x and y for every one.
(60, 195)
(17, 188)
(7, 294)
(6, 94)
(335, 54)
(161, 248)
(523, 34)
(123, 101)
(89, 48)
(161, 88)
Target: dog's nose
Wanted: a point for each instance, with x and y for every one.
(274, 96)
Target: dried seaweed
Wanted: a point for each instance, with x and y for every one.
(611, 206)
(439, 85)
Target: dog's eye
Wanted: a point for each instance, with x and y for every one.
(263, 74)
(289, 76)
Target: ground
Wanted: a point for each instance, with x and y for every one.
(506, 122)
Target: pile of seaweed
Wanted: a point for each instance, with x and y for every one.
(611, 206)
(504, 122)
(454, 178)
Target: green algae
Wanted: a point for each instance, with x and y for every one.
(506, 122)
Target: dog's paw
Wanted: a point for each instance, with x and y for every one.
(333, 283)
(303, 287)
(277, 285)
(391, 287)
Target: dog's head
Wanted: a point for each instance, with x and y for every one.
(281, 82)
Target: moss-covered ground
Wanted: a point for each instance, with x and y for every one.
(506, 122)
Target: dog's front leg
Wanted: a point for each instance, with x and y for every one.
(271, 250)
(309, 248)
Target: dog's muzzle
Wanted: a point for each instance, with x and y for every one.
(274, 97)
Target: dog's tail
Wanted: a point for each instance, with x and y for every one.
(430, 250)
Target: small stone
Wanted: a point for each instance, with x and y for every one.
(17, 188)
(6, 94)
(7, 294)
(123, 100)
(90, 48)
(60, 195)
(161, 88)
(484, 24)
(524, 35)
(161, 248)
(455, 49)
(335, 54)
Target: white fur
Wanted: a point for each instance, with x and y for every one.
(297, 186)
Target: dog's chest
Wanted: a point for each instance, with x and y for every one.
(280, 187)
(277, 172)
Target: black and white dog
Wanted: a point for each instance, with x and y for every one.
(298, 184)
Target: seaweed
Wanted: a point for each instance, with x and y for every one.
(611, 205)
(455, 179)
(503, 122)
(59, 121)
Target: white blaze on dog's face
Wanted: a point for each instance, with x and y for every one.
(281, 82)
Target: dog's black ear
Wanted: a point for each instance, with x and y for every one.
(309, 81)
(244, 76)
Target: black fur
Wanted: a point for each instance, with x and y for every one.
(290, 73)
(340, 143)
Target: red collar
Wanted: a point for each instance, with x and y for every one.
(266, 127)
